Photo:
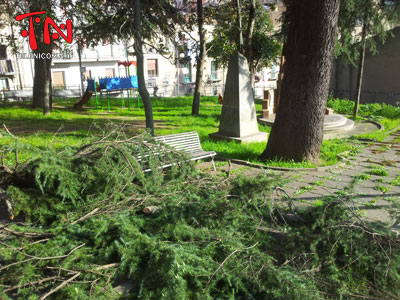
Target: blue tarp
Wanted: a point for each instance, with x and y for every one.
(102, 83)
(114, 83)
(90, 84)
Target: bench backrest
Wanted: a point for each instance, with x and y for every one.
(187, 141)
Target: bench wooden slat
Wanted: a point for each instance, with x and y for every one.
(192, 134)
(180, 139)
(188, 142)
(174, 144)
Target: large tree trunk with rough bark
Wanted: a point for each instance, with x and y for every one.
(42, 88)
(200, 60)
(144, 94)
(42, 84)
(298, 129)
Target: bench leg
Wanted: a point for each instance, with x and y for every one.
(212, 160)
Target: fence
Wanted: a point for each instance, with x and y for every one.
(26, 93)
(388, 97)
(164, 88)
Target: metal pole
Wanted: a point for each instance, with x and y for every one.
(95, 91)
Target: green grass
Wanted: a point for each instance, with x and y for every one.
(318, 183)
(303, 189)
(363, 177)
(171, 115)
(379, 171)
(387, 115)
(382, 188)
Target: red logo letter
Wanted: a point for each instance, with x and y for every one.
(46, 36)
(24, 33)
(49, 21)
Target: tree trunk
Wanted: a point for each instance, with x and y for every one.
(144, 94)
(200, 61)
(298, 129)
(252, 75)
(360, 70)
(50, 91)
(42, 81)
(80, 69)
(249, 42)
(42, 77)
(239, 25)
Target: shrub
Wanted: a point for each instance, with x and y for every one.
(345, 106)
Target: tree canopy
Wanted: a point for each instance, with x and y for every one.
(377, 17)
(265, 45)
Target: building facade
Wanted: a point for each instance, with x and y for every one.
(165, 76)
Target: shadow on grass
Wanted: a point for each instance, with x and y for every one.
(248, 155)
(31, 125)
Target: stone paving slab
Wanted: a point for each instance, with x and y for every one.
(374, 196)
(308, 196)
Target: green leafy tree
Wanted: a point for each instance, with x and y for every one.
(363, 22)
(260, 46)
(148, 23)
(200, 58)
(42, 86)
(197, 16)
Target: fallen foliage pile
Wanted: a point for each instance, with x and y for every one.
(93, 221)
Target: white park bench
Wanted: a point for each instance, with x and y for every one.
(188, 142)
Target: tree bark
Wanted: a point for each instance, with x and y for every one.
(239, 25)
(252, 71)
(42, 77)
(200, 60)
(298, 129)
(360, 70)
(42, 84)
(144, 94)
(249, 42)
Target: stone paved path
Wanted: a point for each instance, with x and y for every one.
(370, 182)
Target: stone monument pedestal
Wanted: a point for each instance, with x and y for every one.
(238, 117)
(267, 105)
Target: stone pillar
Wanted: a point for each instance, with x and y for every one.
(238, 117)
(267, 105)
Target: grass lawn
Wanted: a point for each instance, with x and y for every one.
(172, 115)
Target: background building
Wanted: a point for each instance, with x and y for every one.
(164, 76)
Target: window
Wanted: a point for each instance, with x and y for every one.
(3, 51)
(273, 72)
(110, 72)
(58, 79)
(152, 68)
(214, 72)
(187, 72)
(4, 84)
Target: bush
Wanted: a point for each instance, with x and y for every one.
(345, 106)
